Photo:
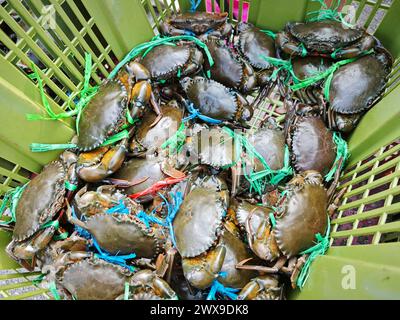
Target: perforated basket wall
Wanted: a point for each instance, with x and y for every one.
(55, 34)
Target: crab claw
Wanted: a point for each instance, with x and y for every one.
(111, 161)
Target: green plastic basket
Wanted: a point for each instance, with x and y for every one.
(364, 258)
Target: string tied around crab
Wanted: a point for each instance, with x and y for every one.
(218, 288)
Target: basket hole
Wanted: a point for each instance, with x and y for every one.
(362, 240)
(354, 198)
(339, 242)
(91, 45)
(345, 226)
(385, 173)
(390, 237)
(359, 184)
(376, 21)
(366, 11)
(379, 189)
(368, 223)
(71, 15)
(19, 291)
(99, 36)
(82, 9)
(374, 205)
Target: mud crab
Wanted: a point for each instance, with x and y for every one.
(149, 139)
(327, 38)
(166, 62)
(120, 233)
(201, 24)
(230, 69)
(301, 214)
(253, 45)
(311, 143)
(216, 101)
(262, 288)
(147, 285)
(39, 203)
(106, 112)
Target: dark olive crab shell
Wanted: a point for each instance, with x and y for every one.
(103, 116)
(258, 214)
(198, 221)
(253, 44)
(313, 147)
(366, 77)
(227, 68)
(42, 198)
(164, 61)
(212, 99)
(123, 234)
(304, 215)
(324, 36)
(199, 22)
(95, 279)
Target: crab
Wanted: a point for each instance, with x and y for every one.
(118, 233)
(301, 214)
(216, 101)
(147, 285)
(367, 76)
(150, 139)
(328, 38)
(262, 288)
(166, 62)
(200, 24)
(106, 112)
(230, 69)
(311, 143)
(41, 200)
(92, 279)
(253, 45)
(149, 170)
(89, 203)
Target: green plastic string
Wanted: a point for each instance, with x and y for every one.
(10, 200)
(281, 65)
(285, 171)
(269, 33)
(176, 142)
(126, 292)
(272, 219)
(69, 186)
(86, 94)
(303, 50)
(319, 249)
(61, 236)
(157, 41)
(43, 147)
(342, 152)
(55, 224)
(53, 290)
(326, 13)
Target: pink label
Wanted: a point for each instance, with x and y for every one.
(245, 11)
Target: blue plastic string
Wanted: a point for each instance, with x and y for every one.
(172, 209)
(120, 208)
(194, 5)
(195, 113)
(149, 218)
(218, 287)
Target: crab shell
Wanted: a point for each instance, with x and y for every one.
(366, 77)
(123, 234)
(227, 68)
(95, 279)
(199, 219)
(270, 144)
(211, 98)
(103, 115)
(164, 61)
(324, 36)
(199, 22)
(42, 198)
(304, 215)
(254, 44)
(218, 151)
(312, 146)
(236, 251)
(136, 169)
(153, 137)
(309, 66)
(243, 210)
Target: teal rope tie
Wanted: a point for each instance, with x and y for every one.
(120, 208)
(172, 209)
(218, 288)
(322, 245)
(10, 200)
(194, 5)
(342, 152)
(195, 113)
